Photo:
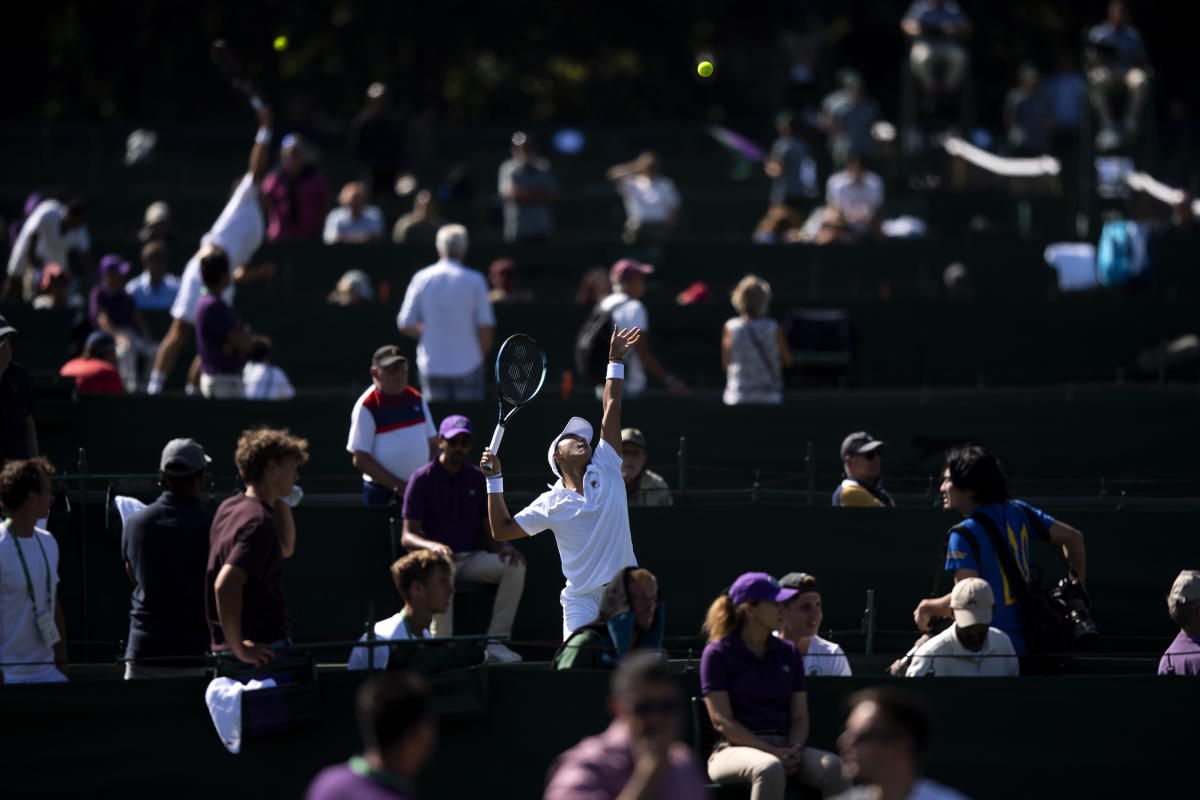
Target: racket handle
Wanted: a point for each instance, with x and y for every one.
(497, 435)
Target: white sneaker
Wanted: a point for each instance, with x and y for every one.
(497, 653)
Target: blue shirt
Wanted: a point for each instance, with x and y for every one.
(931, 18)
(799, 172)
(760, 689)
(1014, 525)
(147, 298)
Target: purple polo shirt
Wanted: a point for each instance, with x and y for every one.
(1183, 655)
(760, 689)
(449, 507)
(214, 320)
(118, 305)
(346, 782)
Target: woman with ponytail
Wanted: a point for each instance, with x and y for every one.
(753, 686)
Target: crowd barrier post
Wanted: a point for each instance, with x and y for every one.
(681, 459)
(810, 469)
(869, 622)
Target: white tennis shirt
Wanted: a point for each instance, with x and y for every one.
(391, 629)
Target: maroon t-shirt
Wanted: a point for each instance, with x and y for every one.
(243, 534)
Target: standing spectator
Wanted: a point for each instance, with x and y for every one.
(1027, 114)
(353, 221)
(112, 310)
(377, 141)
(862, 473)
(1065, 90)
(753, 686)
(95, 372)
(56, 290)
(391, 430)
(154, 289)
(296, 194)
(651, 200)
(33, 643)
(1183, 604)
(644, 487)
(165, 548)
(221, 338)
(505, 281)
(853, 201)
(847, 116)
(262, 379)
(528, 189)
(938, 57)
(252, 533)
(445, 510)
(885, 742)
(639, 755)
(1116, 61)
(157, 223)
(419, 226)
(399, 735)
(425, 581)
(446, 310)
(32, 201)
(970, 647)
(802, 617)
(631, 617)
(754, 351)
(49, 235)
(790, 166)
(18, 432)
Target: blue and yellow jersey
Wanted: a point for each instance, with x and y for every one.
(852, 493)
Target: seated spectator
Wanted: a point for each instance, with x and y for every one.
(853, 201)
(353, 221)
(802, 617)
(391, 430)
(353, 289)
(1027, 114)
(643, 487)
(505, 282)
(1183, 604)
(781, 225)
(1116, 62)
(791, 168)
(399, 735)
(262, 379)
(887, 737)
(631, 618)
(753, 686)
(651, 200)
(165, 547)
(445, 510)
(862, 468)
(970, 647)
(754, 350)
(527, 189)
(157, 223)
(639, 755)
(419, 226)
(295, 194)
(113, 311)
(221, 338)
(847, 116)
(95, 372)
(155, 289)
(425, 581)
(56, 290)
(48, 236)
(251, 535)
(938, 57)
(33, 644)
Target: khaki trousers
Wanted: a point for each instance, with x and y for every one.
(764, 772)
(485, 567)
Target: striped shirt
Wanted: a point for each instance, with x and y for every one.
(394, 428)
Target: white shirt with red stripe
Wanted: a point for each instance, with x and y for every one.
(394, 428)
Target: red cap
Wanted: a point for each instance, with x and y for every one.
(627, 267)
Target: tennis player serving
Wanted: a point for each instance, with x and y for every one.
(586, 509)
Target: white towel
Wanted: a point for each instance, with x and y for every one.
(224, 700)
(127, 506)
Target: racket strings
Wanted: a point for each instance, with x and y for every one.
(520, 370)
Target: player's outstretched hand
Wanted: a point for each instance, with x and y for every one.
(622, 342)
(265, 117)
(489, 463)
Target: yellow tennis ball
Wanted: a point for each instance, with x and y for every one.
(281, 43)
(705, 68)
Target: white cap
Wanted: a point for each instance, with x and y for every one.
(1185, 591)
(972, 602)
(576, 426)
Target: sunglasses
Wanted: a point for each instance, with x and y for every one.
(647, 707)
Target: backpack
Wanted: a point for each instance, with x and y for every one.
(1122, 255)
(591, 344)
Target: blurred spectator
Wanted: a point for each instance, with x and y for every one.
(391, 430)
(157, 223)
(970, 647)
(862, 468)
(594, 286)
(48, 235)
(399, 734)
(154, 289)
(1027, 114)
(847, 116)
(1183, 604)
(631, 618)
(505, 281)
(425, 581)
(528, 189)
(791, 168)
(643, 487)
(33, 648)
(781, 225)
(802, 617)
(938, 56)
(1065, 89)
(353, 221)
(56, 290)
(445, 510)
(353, 288)
(32, 201)
(639, 755)
(112, 310)
(956, 279)
(262, 379)
(18, 433)
(221, 339)
(251, 535)
(419, 226)
(1116, 66)
(651, 200)
(377, 141)
(295, 193)
(754, 351)
(165, 548)
(853, 201)
(95, 372)
(446, 309)
(887, 737)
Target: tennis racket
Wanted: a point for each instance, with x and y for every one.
(230, 68)
(520, 373)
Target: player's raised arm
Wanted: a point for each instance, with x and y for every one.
(622, 342)
(500, 522)
(260, 154)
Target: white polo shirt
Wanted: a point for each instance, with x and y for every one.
(394, 428)
(26, 656)
(391, 629)
(648, 199)
(945, 657)
(592, 529)
(825, 658)
(858, 202)
(451, 302)
(53, 246)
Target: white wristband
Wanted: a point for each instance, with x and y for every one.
(263, 136)
(495, 485)
(615, 371)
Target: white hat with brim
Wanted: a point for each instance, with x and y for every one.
(576, 426)
(972, 602)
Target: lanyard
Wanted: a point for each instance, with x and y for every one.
(408, 628)
(25, 567)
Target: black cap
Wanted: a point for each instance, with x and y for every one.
(800, 581)
(858, 443)
(387, 355)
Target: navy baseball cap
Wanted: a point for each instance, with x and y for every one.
(752, 586)
(453, 425)
(858, 443)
